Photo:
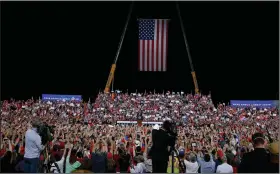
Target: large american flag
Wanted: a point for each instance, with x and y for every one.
(153, 37)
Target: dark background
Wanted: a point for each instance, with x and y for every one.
(68, 48)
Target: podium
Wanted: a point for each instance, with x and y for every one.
(139, 120)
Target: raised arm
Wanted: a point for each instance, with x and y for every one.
(69, 153)
(13, 138)
(105, 146)
(10, 145)
(64, 151)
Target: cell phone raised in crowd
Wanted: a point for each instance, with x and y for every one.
(193, 144)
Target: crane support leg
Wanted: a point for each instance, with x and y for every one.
(112, 72)
(188, 50)
(195, 82)
(110, 78)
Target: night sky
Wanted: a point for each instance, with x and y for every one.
(68, 48)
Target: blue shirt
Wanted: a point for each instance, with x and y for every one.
(33, 144)
(206, 167)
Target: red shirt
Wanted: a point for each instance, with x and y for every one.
(131, 152)
(109, 155)
(116, 158)
(61, 145)
(22, 150)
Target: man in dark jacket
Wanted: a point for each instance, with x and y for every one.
(159, 151)
(257, 161)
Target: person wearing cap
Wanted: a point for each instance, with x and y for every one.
(181, 156)
(258, 160)
(33, 148)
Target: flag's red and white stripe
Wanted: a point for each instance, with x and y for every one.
(153, 53)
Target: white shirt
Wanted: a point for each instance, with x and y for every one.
(139, 168)
(191, 167)
(59, 164)
(224, 168)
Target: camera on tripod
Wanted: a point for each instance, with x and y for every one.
(171, 129)
(45, 132)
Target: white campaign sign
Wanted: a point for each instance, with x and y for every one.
(135, 122)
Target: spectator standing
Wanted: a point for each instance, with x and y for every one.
(111, 165)
(148, 161)
(218, 159)
(33, 148)
(191, 163)
(57, 166)
(258, 160)
(207, 165)
(124, 159)
(140, 166)
(225, 167)
(70, 167)
(99, 158)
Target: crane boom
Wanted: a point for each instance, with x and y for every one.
(188, 51)
(113, 68)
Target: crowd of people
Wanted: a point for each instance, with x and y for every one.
(87, 137)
